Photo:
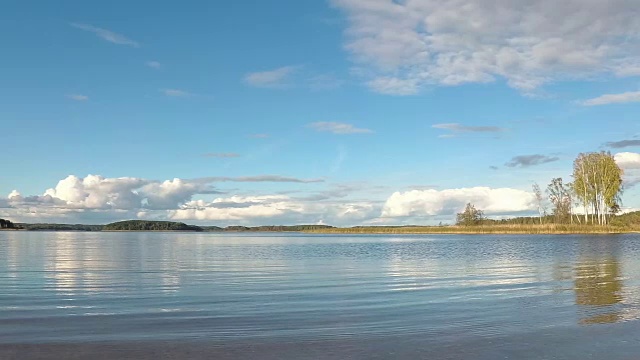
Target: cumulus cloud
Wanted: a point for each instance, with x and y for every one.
(628, 160)
(276, 78)
(97, 192)
(338, 128)
(96, 197)
(403, 46)
(417, 203)
(243, 208)
(530, 160)
(107, 35)
(172, 193)
(275, 209)
(623, 98)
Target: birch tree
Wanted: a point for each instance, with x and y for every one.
(542, 211)
(598, 185)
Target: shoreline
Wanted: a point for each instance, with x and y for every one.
(480, 230)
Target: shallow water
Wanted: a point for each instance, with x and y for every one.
(195, 295)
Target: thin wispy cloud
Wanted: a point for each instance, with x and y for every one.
(176, 93)
(276, 78)
(622, 144)
(623, 98)
(221, 155)
(325, 82)
(78, 97)
(259, 136)
(458, 128)
(107, 35)
(258, 179)
(154, 65)
(338, 128)
(530, 160)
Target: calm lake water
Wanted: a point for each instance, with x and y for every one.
(296, 296)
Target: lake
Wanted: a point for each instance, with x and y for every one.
(122, 295)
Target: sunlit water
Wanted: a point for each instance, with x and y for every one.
(447, 296)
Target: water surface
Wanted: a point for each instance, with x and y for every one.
(195, 295)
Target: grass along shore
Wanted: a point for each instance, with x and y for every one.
(483, 229)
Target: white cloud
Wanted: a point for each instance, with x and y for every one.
(78, 97)
(277, 78)
(245, 208)
(97, 192)
(107, 35)
(628, 160)
(96, 199)
(171, 193)
(418, 203)
(338, 128)
(394, 86)
(623, 98)
(14, 195)
(154, 64)
(403, 46)
(274, 209)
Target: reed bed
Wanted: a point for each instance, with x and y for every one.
(483, 229)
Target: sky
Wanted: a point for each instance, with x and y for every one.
(339, 112)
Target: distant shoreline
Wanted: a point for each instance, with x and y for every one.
(166, 226)
(545, 229)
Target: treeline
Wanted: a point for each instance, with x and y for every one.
(61, 227)
(144, 225)
(596, 190)
(6, 224)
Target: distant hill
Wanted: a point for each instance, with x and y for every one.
(61, 227)
(143, 225)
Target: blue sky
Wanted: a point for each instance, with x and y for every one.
(345, 112)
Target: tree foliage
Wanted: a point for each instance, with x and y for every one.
(560, 197)
(61, 227)
(143, 225)
(597, 185)
(6, 224)
(542, 209)
(470, 216)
